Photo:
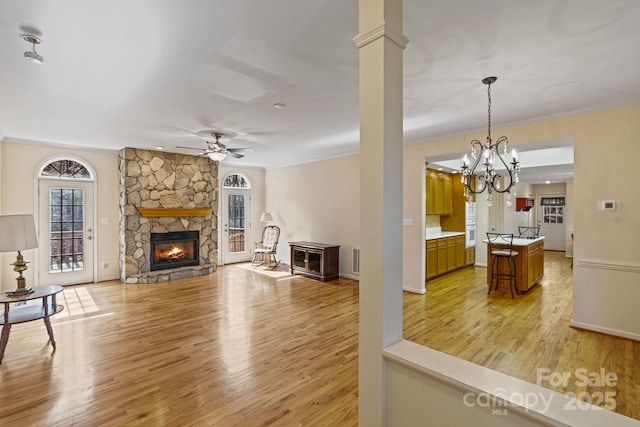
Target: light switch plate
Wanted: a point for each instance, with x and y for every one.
(407, 221)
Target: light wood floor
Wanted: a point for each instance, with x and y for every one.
(244, 348)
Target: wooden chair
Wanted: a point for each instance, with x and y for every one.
(501, 249)
(264, 251)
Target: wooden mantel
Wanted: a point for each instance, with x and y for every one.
(155, 212)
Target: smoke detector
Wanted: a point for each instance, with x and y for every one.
(32, 55)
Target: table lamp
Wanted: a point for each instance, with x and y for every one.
(17, 233)
(266, 217)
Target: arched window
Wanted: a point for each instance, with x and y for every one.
(65, 168)
(235, 181)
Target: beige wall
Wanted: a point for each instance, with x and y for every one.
(20, 162)
(569, 218)
(318, 202)
(604, 142)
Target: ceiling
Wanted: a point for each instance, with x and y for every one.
(159, 73)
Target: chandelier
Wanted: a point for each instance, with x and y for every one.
(487, 157)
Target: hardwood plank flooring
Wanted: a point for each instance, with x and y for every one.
(250, 348)
(521, 336)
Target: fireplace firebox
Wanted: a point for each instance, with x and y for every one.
(174, 249)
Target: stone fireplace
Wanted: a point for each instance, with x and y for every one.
(162, 193)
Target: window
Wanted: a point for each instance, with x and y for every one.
(235, 181)
(65, 168)
(552, 210)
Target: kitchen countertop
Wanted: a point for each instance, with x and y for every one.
(444, 234)
(517, 241)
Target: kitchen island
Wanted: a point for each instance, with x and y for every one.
(529, 262)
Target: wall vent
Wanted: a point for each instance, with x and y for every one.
(355, 261)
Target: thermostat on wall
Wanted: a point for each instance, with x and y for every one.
(608, 205)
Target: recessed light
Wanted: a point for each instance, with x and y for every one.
(159, 147)
(547, 182)
(279, 105)
(440, 169)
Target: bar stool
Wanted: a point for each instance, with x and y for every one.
(501, 248)
(529, 232)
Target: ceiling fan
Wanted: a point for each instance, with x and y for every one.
(218, 151)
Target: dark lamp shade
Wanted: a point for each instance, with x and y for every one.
(17, 232)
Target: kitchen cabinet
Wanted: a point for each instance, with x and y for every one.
(431, 191)
(452, 256)
(439, 189)
(444, 255)
(470, 256)
(447, 195)
(460, 254)
(524, 203)
(432, 259)
(443, 267)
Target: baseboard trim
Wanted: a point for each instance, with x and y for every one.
(605, 265)
(414, 290)
(350, 276)
(603, 330)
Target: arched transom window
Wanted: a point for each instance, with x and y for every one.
(65, 168)
(235, 181)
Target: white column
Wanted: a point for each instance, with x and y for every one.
(380, 45)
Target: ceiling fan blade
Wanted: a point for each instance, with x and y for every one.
(236, 155)
(233, 150)
(189, 148)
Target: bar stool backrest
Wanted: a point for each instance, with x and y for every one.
(529, 231)
(501, 244)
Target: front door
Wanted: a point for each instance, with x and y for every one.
(236, 227)
(65, 237)
(550, 212)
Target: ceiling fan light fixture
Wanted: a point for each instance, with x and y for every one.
(32, 55)
(217, 156)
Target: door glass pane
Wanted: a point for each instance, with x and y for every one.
(66, 229)
(236, 223)
(552, 210)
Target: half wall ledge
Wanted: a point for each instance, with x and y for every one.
(156, 212)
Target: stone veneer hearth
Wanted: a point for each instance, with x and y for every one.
(155, 179)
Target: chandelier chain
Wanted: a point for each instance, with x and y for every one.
(489, 115)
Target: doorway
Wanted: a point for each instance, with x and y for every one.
(551, 219)
(65, 224)
(236, 223)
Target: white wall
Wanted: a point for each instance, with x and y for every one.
(514, 219)
(18, 183)
(317, 202)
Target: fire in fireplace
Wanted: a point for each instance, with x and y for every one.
(174, 249)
